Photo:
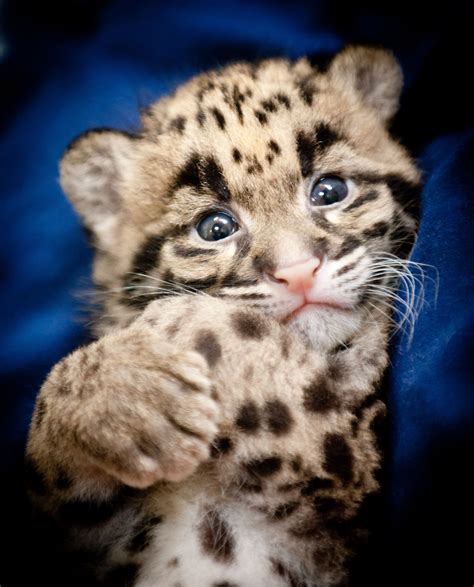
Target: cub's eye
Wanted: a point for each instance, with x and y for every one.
(327, 191)
(217, 226)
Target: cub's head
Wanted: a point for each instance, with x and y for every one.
(275, 184)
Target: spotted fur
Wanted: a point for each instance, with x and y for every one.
(211, 435)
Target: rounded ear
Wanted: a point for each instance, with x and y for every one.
(374, 74)
(91, 173)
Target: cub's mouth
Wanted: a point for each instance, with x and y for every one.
(307, 308)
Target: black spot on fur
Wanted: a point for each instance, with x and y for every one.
(269, 157)
(278, 417)
(215, 180)
(338, 457)
(318, 397)
(237, 100)
(261, 117)
(248, 325)
(34, 479)
(306, 89)
(349, 244)
(274, 146)
(378, 230)
(216, 537)
(189, 175)
(219, 117)
(174, 562)
(200, 117)
(221, 446)
(122, 576)
(269, 106)
(264, 467)
(285, 510)
(248, 418)
(316, 484)
(236, 155)
(283, 99)
(178, 123)
(362, 200)
(208, 345)
(296, 464)
(254, 167)
(224, 584)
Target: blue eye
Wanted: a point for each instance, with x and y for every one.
(327, 191)
(217, 226)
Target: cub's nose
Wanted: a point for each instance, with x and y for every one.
(298, 277)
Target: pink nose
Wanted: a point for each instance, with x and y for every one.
(298, 277)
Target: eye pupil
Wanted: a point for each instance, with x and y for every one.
(216, 226)
(327, 191)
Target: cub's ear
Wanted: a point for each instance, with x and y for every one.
(374, 74)
(92, 171)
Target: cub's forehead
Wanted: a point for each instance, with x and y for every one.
(258, 129)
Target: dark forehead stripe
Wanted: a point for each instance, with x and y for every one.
(306, 149)
(200, 173)
(215, 180)
(189, 174)
(326, 136)
(308, 145)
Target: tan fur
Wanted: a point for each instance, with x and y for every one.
(287, 405)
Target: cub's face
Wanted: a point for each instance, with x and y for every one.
(276, 185)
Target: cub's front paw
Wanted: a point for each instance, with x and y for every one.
(149, 414)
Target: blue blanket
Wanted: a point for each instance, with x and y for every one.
(70, 66)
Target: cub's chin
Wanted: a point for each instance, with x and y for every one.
(324, 326)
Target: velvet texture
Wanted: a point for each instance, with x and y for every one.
(71, 66)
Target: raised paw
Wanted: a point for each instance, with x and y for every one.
(147, 410)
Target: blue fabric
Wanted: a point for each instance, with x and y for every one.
(68, 67)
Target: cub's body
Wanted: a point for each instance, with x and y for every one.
(222, 429)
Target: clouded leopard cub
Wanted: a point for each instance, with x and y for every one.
(221, 430)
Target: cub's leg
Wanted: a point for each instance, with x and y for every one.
(112, 419)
